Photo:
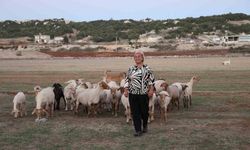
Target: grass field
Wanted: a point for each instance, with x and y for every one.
(218, 119)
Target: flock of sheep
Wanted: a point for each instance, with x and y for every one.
(104, 95)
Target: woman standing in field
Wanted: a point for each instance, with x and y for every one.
(139, 87)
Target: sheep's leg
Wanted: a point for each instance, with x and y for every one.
(165, 114)
(24, 109)
(116, 108)
(52, 110)
(162, 114)
(57, 104)
(184, 100)
(153, 110)
(89, 110)
(76, 108)
(149, 114)
(64, 102)
(127, 115)
(95, 109)
(178, 104)
(173, 103)
(190, 99)
(129, 112)
(113, 108)
(73, 104)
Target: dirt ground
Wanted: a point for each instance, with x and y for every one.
(123, 63)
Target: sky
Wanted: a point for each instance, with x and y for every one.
(89, 10)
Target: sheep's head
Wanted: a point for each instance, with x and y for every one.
(164, 86)
(103, 85)
(40, 112)
(79, 81)
(196, 78)
(84, 85)
(57, 85)
(164, 97)
(16, 113)
(37, 89)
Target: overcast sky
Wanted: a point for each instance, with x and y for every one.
(87, 10)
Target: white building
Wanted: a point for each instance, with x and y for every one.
(42, 39)
(58, 39)
(236, 38)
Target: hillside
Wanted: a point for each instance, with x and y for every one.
(109, 30)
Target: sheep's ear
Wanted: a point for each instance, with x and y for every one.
(85, 85)
(34, 111)
(198, 78)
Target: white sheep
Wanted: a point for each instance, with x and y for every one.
(45, 100)
(151, 107)
(90, 97)
(69, 93)
(19, 108)
(105, 100)
(126, 105)
(226, 62)
(187, 99)
(115, 96)
(160, 85)
(176, 91)
(163, 100)
(37, 89)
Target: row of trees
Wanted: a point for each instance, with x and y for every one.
(106, 31)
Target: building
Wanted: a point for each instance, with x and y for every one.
(58, 40)
(42, 39)
(236, 38)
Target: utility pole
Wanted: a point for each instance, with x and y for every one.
(116, 42)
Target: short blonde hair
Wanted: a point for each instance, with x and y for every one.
(140, 52)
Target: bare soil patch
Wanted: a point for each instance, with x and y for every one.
(130, 54)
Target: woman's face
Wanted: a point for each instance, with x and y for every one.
(138, 58)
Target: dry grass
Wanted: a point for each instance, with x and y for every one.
(218, 118)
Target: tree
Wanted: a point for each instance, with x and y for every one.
(65, 40)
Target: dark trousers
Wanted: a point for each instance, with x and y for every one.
(139, 110)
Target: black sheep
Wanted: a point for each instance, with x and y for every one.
(58, 91)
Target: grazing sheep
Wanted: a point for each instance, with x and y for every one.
(58, 91)
(45, 100)
(187, 100)
(126, 105)
(163, 100)
(105, 100)
(91, 97)
(176, 91)
(69, 93)
(19, 105)
(113, 76)
(115, 95)
(226, 62)
(160, 85)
